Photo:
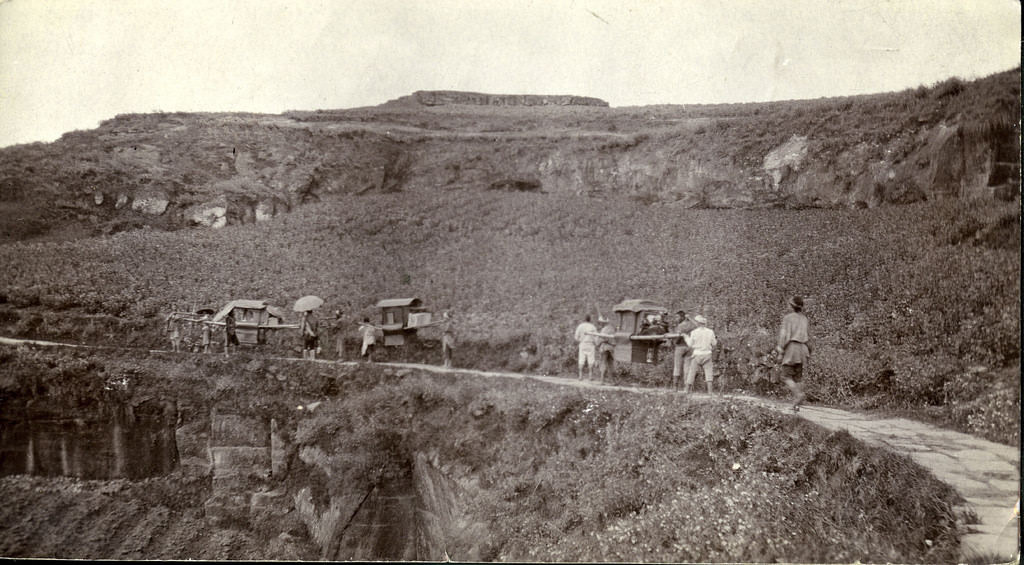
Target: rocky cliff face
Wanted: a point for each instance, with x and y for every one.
(919, 164)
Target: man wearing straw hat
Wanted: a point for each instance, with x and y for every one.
(794, 335)
(702, 340)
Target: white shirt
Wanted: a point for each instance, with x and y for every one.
(369, 335)
(583, 332)
(702, 340)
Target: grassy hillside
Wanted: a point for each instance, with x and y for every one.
(522, 220)
(910, 305)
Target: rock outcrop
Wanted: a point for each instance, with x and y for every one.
(265, 210)
(448, 97)
(785, 159)
(153, 203)
(210, 214)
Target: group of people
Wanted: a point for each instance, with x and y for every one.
(176, 330)
(694, 343)
(370, 334)
(310, 330)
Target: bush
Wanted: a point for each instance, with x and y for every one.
(837, 376)
(948, 88)
(986, 403)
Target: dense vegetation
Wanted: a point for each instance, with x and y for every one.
(912, 307)
(546, 473)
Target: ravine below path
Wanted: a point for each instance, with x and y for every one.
(986, 474)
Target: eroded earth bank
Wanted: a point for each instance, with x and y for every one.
(114, 455)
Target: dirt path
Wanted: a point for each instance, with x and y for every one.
(985, 473)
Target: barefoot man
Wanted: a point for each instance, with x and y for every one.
(794, 335)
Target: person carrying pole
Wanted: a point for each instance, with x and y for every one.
(447, 325)
(338, 328)
(174, 328)
(310, 340)
(369, 333)
(230, 338)
(682, 355)
(605, 349)
(207, 333)
(447, 338)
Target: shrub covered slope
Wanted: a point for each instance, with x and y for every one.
(535, 472)
(910, 305)
(522, 220)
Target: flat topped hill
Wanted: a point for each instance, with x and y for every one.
(450, 97)
(173, 170)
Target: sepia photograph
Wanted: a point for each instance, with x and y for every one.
(627, 281)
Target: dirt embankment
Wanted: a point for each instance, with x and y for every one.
(213, 473)
(292, 460)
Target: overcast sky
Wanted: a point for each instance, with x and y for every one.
(67, 64)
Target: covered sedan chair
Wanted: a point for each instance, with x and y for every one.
(637, 335)
(400, 318)
(253, 319)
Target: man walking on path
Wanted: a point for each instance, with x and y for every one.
(794, 335)
(447, 338)
(174, 328)
(207, 333)
(588, 352)
(230, 338)
(682, 355)
(369, 332)
(605, 349)
(310, 340)
(338, 327)
(702, 340)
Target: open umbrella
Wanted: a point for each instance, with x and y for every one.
(307, 303)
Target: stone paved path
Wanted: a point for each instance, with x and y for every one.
(986, 474)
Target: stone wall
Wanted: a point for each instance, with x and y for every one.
(240, 458)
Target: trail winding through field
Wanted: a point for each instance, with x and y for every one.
(986, 474)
